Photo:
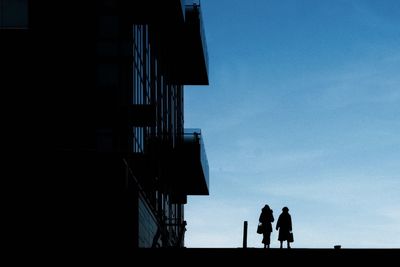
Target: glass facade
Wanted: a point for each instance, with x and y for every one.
(151, 87)
(140, 82)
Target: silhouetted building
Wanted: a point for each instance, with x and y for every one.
(99, 87)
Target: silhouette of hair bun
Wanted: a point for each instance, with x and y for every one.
(285, 209)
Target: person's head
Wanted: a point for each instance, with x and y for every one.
(285, 209)
(266, 208)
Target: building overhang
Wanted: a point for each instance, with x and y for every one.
(195, 71)
(192, 177)
(186, 54)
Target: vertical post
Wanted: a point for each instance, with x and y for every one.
(245, 234)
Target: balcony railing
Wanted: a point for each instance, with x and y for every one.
(195, 45)
(194, 164)
(193, 137)
(195, 6)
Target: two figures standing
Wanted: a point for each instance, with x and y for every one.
(284, 225)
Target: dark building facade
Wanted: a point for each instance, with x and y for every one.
(100, 85)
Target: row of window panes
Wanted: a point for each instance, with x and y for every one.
(155, 93)
(165, 97)
(148, 69)
(167, 100)
(138, 140)
(142, 63)
(138, 132)
(137, 86)
(138, 37)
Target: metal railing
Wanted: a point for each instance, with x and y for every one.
(160, 219)
(192, 135)
(195, 6)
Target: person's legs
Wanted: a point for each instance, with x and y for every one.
(288, 244)
(264, 241)
(281, 244)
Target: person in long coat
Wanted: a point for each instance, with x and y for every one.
(284, 225)
(266, 218)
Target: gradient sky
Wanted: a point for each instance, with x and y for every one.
(303, 110)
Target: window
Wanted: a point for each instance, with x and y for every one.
(14, 14)
(139, 81)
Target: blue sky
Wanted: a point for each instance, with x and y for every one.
(303, 110)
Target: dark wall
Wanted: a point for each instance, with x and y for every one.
(61, 196)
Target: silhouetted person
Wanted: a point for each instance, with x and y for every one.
(284, 225)
(266, 218)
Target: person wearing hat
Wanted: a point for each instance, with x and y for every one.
(284, 225)
(266, 219)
